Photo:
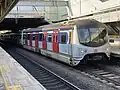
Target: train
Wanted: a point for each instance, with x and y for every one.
(13, 38)
(71, 42)
(114, 39)
(115, 45)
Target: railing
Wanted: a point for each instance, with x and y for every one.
(51, 10)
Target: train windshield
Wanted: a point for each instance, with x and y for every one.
(93, 36)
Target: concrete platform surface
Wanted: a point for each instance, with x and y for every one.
(14, 77)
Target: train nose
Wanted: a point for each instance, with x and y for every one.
(95, 57)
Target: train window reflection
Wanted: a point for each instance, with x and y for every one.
(49, 38)
(28, 37)
(33, 37)
(97, 35)
(63, 37)
(84, 35)
(93, 36)
(40, 37)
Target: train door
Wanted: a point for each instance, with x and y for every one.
(30, 39)
(24, 37)
(55, 41)
(33, 39)
(64, 42)
(49, 40)
(36, 40)
(70, 43)
(44, 42)
(27, 39)
(40, 38)
(21, 39)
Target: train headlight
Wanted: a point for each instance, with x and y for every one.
(107, 49)
(82, 51)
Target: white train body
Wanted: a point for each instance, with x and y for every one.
(115, 45)
(71, 42)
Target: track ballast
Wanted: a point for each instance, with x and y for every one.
(48, 79)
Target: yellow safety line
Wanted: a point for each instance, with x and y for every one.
(14, 87)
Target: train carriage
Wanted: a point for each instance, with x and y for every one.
(71, 42)
(115, 45)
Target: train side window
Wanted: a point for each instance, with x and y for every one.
(40, 37)
(33, 37)
(49, 38)
(24, 36)
(63, 38)
(28, 37)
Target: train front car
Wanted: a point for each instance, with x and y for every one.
(92, 42)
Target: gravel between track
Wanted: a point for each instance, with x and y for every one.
(69, 73)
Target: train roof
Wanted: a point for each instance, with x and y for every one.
(32, 30)
(53, 26)
(85, 23)
(89, 23)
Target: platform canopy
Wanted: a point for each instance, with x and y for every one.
(5, 7)
(51, 10)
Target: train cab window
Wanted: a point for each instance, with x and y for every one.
(49, 38)
(33, 37)
(63, 37)
(40, 37)
(92, 36)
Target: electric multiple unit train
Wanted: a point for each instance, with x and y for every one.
(115, 45)
(71, 42)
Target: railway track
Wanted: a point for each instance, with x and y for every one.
(115, 60)
(98, 72)
(47, 78)
(104, 76)
(57, 83)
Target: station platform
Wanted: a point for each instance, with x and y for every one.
(14, 77)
